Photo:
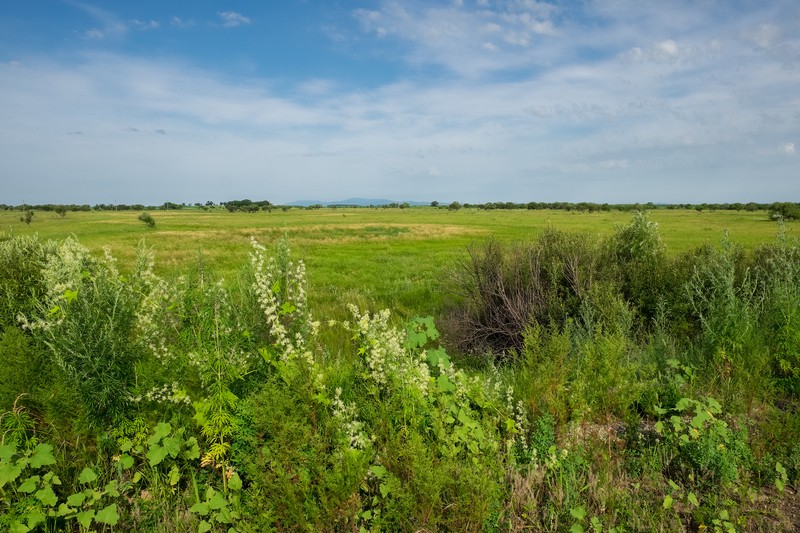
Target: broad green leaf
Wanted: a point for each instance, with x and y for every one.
(578, 513)
(29, 485)
(126, 445)
(203, 527)
(162, 430)
(192, 450)
(379, 471)
(235, 482)
(85, 518)
(7, 451)
(76, 500)
(667, 502)
(35, 517)
(217, 501)
(200, 508)
(108, 515)
(137, 477)
(47, 496)
(111, 488)
(18, 527)
(576, 528)
(87, 475)
(125, 461)
(42, 455)
(224, 516)
(683, 403)
(444, 384)
(172, 445)
(156, 454)
(693, 499)
(64, 509)
(174, 476)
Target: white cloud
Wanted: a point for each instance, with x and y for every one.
(110, 25)
(178, 22)
(764, 35)
(465, 38)
(674, 109)
(144, 25)
(232, 19)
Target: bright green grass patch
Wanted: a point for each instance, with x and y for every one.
(397, 258)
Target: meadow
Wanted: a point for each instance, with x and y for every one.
(412, 369)
(395, 258)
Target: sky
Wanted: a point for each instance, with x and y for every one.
(616, 101)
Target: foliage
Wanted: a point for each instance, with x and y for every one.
(217, 406)
(87, 319)
(148, 219)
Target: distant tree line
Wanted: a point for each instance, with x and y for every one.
(786, 210)
(776, 210)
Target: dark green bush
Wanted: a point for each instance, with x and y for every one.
(21, 284)
(505, 289)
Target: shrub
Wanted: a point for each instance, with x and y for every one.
(22, 260)
(148, 219)
(638, 256)
(87, 318)
(730, 352)
(504, 289)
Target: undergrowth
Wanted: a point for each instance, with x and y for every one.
(617, 390)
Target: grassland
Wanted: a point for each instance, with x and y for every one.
(598, 373)
(395, 258)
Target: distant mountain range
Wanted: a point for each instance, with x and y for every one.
(361, 202)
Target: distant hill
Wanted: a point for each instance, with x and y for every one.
(360, 202)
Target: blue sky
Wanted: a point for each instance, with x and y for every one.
(471, 100)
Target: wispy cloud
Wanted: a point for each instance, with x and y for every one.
(109, 25)
(467, 39)
(232, 19)
(178, 22)
(496, 100)
(144, 25)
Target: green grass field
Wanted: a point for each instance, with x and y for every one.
(577, 383)
(396, 258)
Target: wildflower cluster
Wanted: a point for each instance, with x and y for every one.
(280, 288)
(388, 361)
(168, 393)
(348, 418)
(160, 309)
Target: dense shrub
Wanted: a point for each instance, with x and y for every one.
(504, 289)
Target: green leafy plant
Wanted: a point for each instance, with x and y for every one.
(148, 219)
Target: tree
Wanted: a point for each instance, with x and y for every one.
(434, 204)
(455, 206)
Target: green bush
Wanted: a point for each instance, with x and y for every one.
(22, 260)
(505, 289)
(87, 319)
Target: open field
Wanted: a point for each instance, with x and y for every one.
(595, 372)
(394, 258)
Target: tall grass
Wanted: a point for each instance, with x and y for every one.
(607, 384)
